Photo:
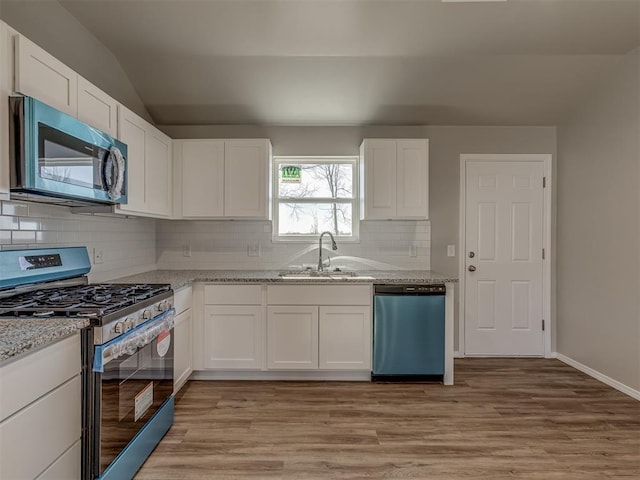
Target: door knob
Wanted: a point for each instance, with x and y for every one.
(472, 254)
(471, 268)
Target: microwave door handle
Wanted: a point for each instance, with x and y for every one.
(114, 186)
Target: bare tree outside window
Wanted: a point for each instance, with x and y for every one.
(321, 199)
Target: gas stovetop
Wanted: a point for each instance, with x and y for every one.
(98, 301)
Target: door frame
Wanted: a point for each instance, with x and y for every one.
(547, 161)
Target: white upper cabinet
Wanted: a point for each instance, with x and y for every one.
(246, 178)
(148, 166)
(158, 172)
(97, 108)
(412, 180)
(131, 130)
(40, 75)
(6, 78)
(394, 179)
(378, 178)
(199, 176)
(222, 178)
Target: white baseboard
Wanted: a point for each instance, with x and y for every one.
(457, 354)
(599, 376)
(332, 375)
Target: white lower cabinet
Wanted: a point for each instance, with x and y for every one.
(40, 418)
(182, 358)
(183, 338)
(233, 336)
(328, 328)
(292, 337)
(67, 466)
(286, 331)
(345, 338)
(232, 327)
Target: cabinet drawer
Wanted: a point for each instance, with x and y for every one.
(30, 377)
(319, 294)
(66, 467)
(183, 299)
(233, 294)
(37, 435)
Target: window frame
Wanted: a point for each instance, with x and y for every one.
(353, 160)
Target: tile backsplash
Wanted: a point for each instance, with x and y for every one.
(128, 245)
(234, 244)
(132, 245)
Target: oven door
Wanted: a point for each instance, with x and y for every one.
(136, 380)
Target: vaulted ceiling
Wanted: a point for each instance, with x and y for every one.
(363, 62)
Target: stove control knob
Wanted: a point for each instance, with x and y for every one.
(119, 327)
(147, 315)
(129, 324)
(162, 306)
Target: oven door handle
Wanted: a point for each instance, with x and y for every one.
(128, 343)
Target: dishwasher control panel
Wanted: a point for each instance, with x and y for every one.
(428, 289)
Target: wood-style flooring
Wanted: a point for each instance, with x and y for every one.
(504, 419)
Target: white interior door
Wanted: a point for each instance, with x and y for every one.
(503, 258)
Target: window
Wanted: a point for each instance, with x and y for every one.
(313, 195)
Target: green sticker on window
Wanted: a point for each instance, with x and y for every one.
(291, 174)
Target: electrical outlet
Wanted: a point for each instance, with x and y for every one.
(451, 250)
(254, 249)
(186, 251)
(97, 256)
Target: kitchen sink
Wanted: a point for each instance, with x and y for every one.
(315, 275)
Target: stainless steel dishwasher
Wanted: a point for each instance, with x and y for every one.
(408, 332)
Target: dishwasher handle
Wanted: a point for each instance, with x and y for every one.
(415, 289)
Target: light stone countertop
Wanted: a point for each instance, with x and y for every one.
(21, 335)
(182, 278)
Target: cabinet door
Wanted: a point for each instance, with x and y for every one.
(379, 186)
(42, 76)
(246, 172)
(412, 183)
(6, 79)
(96, 107)
(182, 358)
(157, 173)
(233, 337)
(292, 337)
(345, 338)
(131, 130)
(202, 185)
(36, 436)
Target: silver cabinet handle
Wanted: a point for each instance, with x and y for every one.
(471, 268)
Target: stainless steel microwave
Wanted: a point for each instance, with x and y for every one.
(55, 158)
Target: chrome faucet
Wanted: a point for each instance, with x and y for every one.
(334, 246)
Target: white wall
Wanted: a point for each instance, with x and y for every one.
(128, 244)
(598, 229)
(53, 28)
